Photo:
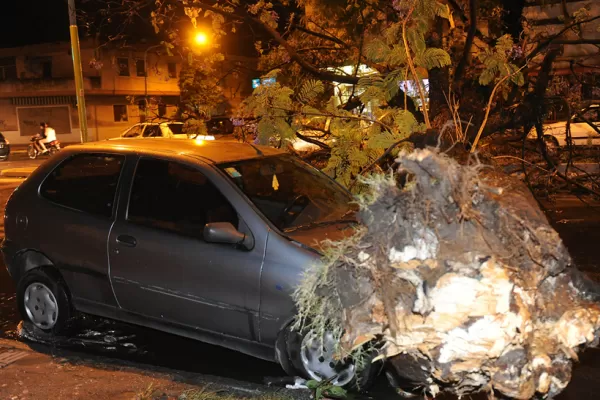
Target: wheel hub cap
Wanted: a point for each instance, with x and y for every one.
(318, 358)
(41, 306)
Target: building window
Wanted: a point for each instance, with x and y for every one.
(120, 112)
(46, 67)
(162, 110)
(8, 68)
(123, 66)
(96, 82)
(172, 68)
(140, 67)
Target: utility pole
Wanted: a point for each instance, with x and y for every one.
(76, 53)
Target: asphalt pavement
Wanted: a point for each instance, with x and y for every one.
(19, 165)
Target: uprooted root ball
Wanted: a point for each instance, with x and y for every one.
(459, 271)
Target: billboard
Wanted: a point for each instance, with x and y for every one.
(58, 117)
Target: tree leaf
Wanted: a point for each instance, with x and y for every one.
(433, 58)
(310, 90)
(376, 50)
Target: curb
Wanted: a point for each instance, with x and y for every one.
(17, 172)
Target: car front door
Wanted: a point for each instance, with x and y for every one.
(163, 269)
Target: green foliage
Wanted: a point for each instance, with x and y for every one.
(325, 390)
(200, 89)
(310, 90)
(497, 63)
(433, 58)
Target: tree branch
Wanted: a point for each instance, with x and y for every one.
(460, 69)
(577, 41)
(464, 19)
(552, 38)
(308, 67)
(321, 35)
(313, 141)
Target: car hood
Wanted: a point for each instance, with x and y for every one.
(316, 236)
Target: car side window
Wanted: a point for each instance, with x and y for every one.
(591, 114)
(85, 182)
(176, 198)
(134, 131)
(152, 131)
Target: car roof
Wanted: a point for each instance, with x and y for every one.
(161, 123)
(211, 150)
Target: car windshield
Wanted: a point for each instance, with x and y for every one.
(176, 129)
(591, 114)
(290, 193)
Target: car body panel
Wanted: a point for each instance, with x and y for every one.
(159, 130)
(83, 258)
(4, 148)
(582, 133)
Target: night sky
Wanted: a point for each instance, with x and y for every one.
(33, 21)
(38, 21)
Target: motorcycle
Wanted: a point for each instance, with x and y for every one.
(32, 151)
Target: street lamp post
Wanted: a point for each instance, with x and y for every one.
(78, 74)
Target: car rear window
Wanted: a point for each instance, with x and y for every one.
(85, 182)
(177, 129)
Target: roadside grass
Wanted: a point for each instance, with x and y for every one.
(152, 393)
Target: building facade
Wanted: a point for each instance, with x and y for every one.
(123, 86)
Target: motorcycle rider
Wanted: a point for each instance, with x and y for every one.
(49, 135)
(39, 146)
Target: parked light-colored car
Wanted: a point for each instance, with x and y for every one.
(582, 134)
(171, 130)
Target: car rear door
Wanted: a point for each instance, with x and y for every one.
(72, 220)
(162, 268)
(134, 131)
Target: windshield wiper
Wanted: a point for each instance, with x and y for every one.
(322, 223)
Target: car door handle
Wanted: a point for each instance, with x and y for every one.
(126, 240)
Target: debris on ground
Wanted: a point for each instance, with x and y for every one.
(459, 273)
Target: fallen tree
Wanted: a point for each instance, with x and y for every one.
(458, 273)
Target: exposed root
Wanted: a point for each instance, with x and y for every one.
(460, 272)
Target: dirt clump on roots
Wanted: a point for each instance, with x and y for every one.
(459, 271)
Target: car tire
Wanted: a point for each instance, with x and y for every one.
(292, 361)
(43, 301)
(551, 144)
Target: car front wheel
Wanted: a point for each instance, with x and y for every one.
(315, 359)
(43, 301)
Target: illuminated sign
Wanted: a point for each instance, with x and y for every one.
(265, 81)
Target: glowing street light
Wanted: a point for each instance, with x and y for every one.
(201, 39)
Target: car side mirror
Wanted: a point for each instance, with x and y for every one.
(225, 232)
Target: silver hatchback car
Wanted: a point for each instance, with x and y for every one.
(201, 239)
